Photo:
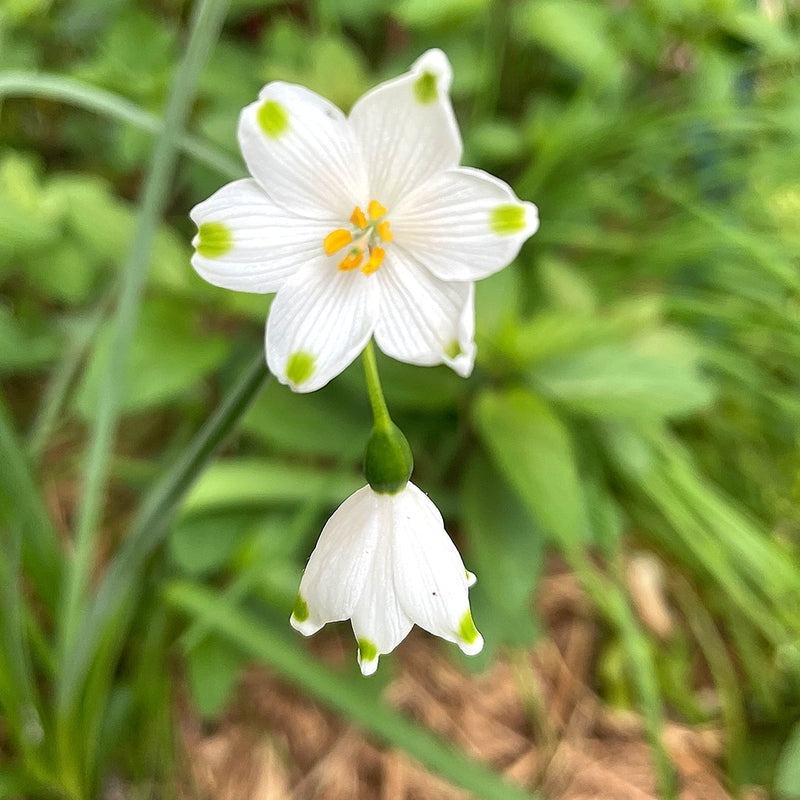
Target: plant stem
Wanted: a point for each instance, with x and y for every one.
(380, 411)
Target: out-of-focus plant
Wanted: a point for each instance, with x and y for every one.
(636, 387)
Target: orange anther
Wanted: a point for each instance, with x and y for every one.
(357, 218)
(376, 256)
(351, 260)
(376, 210)
(336, 240)
(385, 231)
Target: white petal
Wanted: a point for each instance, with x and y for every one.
(339, 567)
(422, 319)
(247, 243)
(407, 128)
(464, 224)
(319, 322)
(303, 152)
(379, 622)
(430, 579)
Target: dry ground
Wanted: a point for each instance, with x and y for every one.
(534, 717)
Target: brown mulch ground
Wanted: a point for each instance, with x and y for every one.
(534, 718)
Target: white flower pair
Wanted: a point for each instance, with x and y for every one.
(366, 226)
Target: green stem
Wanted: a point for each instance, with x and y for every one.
(380, 411)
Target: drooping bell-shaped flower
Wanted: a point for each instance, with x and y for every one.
(386, 563)
(363, 224)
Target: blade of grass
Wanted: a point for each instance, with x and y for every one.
(100, 101)
(40, 538)
(61, 379)
(205, 26)
(715, 652)
(645, 680)
(121, 580)
(17, 685)
(336, 691)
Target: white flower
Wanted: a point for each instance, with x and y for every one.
(363, 225)
(386, 562)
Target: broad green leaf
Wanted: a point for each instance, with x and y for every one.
(787, 773)
(170, 354)
(25, 345)
(213, 668)
(426, 16)
(533, 450)
(65, 272)
(27, 220)
(552, 333)
(257, 483)
(639, 381)
(203, 544)
(566, 287)
(505, 551)
(320, 423)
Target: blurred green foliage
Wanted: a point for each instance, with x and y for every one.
(636, 389)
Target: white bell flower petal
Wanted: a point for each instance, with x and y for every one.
(320, 321)
(464, 224)
(379, 621)
(247, 243)
(387, 562)
(407, 128)
(424, 320)
(335, 576)
(303, 152)
(362, 224)
(429, 577)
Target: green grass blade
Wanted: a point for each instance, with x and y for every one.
(339, 693)
(205, 27)
(17, 685)
(100, 101)
(60, 381)
(19, 487)
(151, 525)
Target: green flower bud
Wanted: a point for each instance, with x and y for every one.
(388, 462)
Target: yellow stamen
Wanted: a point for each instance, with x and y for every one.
(385, 231)
(357, 218)
(352, 260)
(336, 240)
(376, 256)
(376, 210)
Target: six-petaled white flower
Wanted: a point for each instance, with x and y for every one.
(363, 224)
(385, 562)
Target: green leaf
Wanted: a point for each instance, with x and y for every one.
(25, 345)
(445, 13)
(213, 668)
(575, 32)
(640, 381)
(169, 355)
(325, 423)
(566, 287)
(257, 483)
(506, 553)
(555, 332)
(787, 773)
(533, 450)
(200, 545)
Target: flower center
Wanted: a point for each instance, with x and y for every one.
(362, 240)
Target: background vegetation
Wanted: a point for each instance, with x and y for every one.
(636, 387)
